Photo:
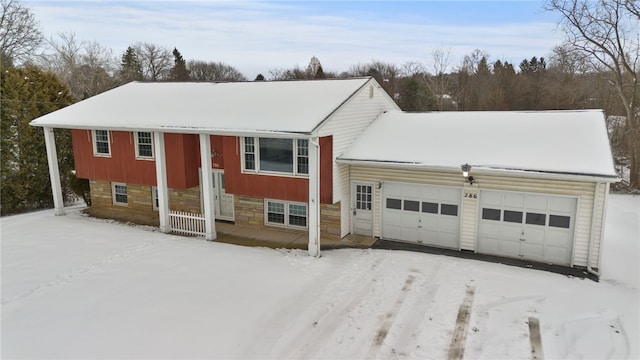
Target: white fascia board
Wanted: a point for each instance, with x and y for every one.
(193, 130)
(485, 171)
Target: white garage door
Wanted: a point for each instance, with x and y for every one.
(424, 214)
(527, 226)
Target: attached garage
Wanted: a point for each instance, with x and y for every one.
(529, 185)
(423, 214)
(527, 226)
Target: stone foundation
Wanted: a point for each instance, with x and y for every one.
(250, 211)
(139, 209)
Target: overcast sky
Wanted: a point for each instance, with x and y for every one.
(258, 36)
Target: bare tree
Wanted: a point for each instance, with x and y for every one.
(213, 71)
(440, 82)
(157, 61)
(19, 33)
(85, 67)
(608, 32)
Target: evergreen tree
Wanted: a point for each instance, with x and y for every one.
(320, 73)
(130, 67)
(260, 77)
(28, 93)
(179, 71)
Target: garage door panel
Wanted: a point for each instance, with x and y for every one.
(536, 203)
(509, 248)
(534, 236)
(544, 223)
(533, 251)
(420, 217)
(508, 231)
(559, 238)
(513, 201)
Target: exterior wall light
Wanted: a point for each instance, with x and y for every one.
(466, 168)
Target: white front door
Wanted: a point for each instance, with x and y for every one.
(362, 209)
(223, 202)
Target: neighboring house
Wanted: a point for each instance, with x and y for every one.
(334, 157)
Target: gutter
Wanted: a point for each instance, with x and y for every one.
(190, 130)
(477, 170)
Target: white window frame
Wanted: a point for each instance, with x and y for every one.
(256, 154)
(136, 136)
(95, 143)
(114, 193)
(154, 198)
(286, 205)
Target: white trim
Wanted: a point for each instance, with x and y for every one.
(54, 171)
(352, 203)
(161, 183)
(286, 213)
(95, 143)
(137, 146)
(155, 198)
(256, 152)
(113, 194)
(207, 187)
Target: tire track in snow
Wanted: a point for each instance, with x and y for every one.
(456, 349)
(79, 271)
(333, 304)
(401, 340)
(329, 304)
(390, 317)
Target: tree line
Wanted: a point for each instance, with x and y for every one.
(597, 67)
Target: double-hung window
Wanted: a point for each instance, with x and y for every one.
(276, 155)
(283, 213)
(119, 192)
(144, 145)
(101, 143)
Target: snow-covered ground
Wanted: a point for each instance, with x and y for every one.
(76, 287)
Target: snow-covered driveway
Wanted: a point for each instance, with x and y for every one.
(75, 287)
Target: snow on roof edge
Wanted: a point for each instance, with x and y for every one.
(482, 169)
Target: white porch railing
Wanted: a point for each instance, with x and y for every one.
(187, 223)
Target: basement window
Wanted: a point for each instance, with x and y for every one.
(284, 213)
(119, 193)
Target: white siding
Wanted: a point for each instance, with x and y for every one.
(346, 125)
(583, 191)
(469, 220)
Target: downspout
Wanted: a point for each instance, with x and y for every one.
(593, 228)
(314, 197)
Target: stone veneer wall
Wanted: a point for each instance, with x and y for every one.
(139, 209)
(250, 211)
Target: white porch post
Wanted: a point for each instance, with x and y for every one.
(207, 187)
(54, 171)
(314, 197)
(161, 182)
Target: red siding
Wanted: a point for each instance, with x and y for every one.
(277, 187)
(183, 160)
(182, 152)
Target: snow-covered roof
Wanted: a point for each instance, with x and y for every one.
(565, 142)
(260, 106)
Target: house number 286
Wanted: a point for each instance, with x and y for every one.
(470, 195)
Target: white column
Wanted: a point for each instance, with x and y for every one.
(161, 182)
(207, 187)
(314, 197)
(54, 171)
